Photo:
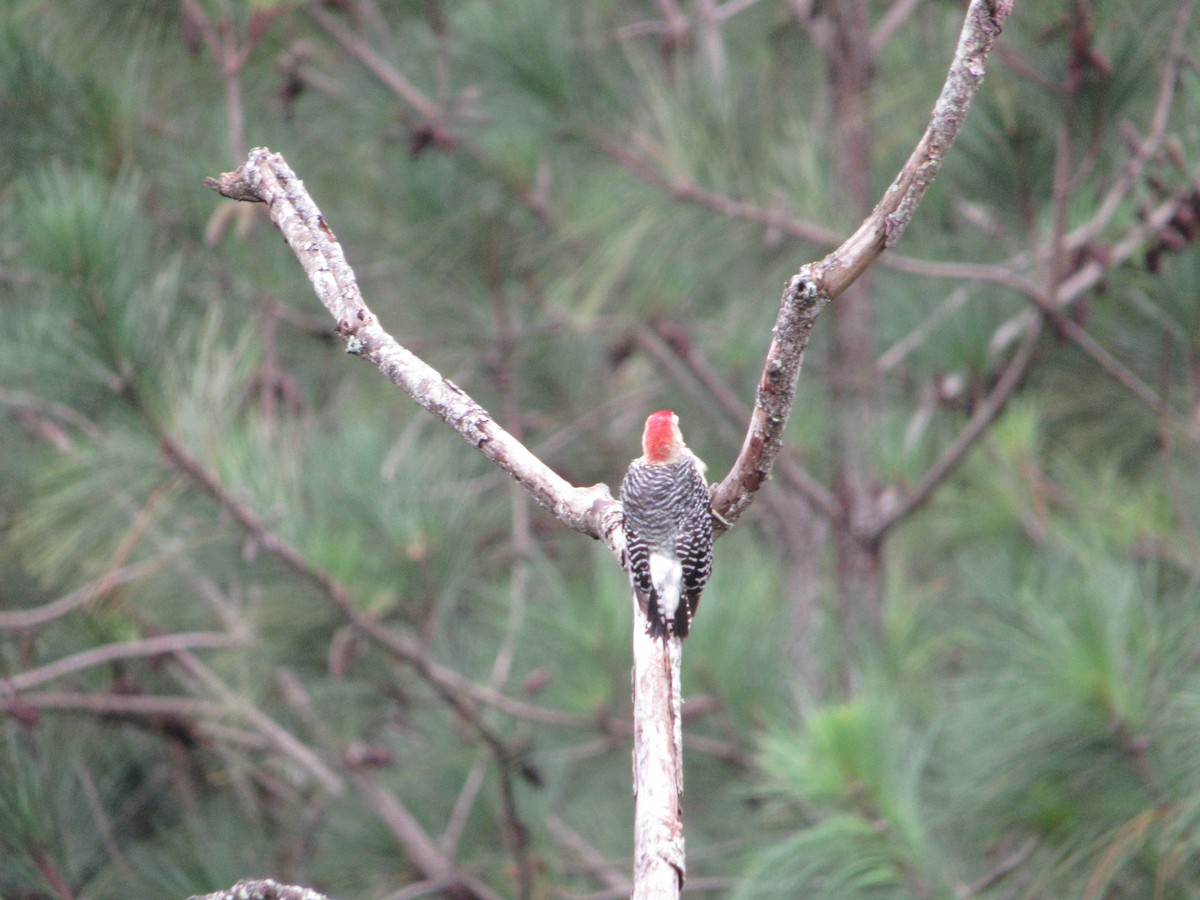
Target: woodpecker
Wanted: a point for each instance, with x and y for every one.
(668, 527)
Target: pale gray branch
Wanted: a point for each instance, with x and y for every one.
(266, 177)
(658, 850)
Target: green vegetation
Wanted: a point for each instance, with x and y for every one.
(312, 600)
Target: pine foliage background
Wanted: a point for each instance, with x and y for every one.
(252, 599)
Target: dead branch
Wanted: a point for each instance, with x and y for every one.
(815, 285)
(267, 178)
(658, 849)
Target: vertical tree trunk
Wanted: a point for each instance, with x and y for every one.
(801, 537)
(853, 379)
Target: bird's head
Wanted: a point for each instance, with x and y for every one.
(662, 441)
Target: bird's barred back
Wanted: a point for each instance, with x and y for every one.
(658, 498)
(668, 512)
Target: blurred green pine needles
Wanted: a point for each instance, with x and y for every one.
(231, 666)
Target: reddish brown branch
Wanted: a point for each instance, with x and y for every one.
(421, 850)
(461, 694)
(433, 118)
(985, 414)
(49, 870)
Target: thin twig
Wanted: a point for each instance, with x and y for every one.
(434, 862)
(985, 413)
(162, 645)
(281, 739)
(37, 854)
(776, 220)
(435, 116)
(1086, 278)
(418, 846)
(1114, 368)
(522, 527)
(32, 402)
(676, 28)
(119, 704)
(681, 188)
(710, 38)
(600, 868)
(461, 693)
(899, 351)
(103, 822)
(1136, 164)
(731, 8)
(514, 830)
(1002, 870)
(461, 812)
(898, 13)
(432, 115)
(24, 619)
(222, 43)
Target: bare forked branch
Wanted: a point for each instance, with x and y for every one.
(266, 177)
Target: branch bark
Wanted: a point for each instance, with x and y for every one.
(810, 290)
(658, 849)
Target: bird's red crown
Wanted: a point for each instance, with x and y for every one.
(662, 441)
